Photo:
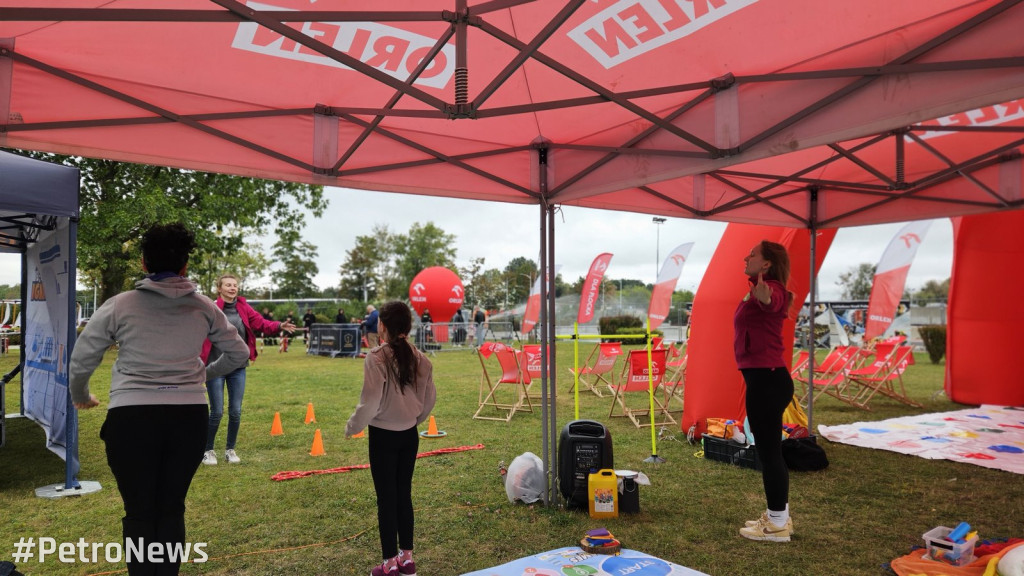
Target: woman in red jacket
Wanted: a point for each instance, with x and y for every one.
(248, 322)
(760, 354)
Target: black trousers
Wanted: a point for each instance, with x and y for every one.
(769, 392)
(153, 452)
(392, 463)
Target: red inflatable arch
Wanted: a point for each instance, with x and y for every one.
(714, 387)
(986, 313)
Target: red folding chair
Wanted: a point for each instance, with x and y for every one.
(882, 376)
(830, 375)
(599, 364)
(637, 384)
(509, 393)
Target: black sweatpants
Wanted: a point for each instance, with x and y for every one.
(153, 452)
(769, 392)
(392, 463)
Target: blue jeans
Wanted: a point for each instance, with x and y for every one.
(236, 389)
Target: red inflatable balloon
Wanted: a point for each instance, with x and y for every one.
(436, 289)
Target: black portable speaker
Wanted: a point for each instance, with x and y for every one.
(583, 445)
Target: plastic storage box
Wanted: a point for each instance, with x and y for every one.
(948, 552)
(724, 450)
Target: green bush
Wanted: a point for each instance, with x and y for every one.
(624, 325)
(934, 338)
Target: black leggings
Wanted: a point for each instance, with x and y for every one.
(153, 451)
(392, 462)
(769, 392)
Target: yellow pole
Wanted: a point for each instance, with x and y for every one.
(576, 368)
(650, 391)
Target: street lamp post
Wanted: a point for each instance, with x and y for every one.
(657, 253)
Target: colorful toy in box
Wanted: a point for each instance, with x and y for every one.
(951, 546)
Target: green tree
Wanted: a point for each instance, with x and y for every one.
(469, 275)
(359, 272)
(120, 200)
(933, 290)
(382, 250)
(490, 289)
(519, 274)
(298, 266)
(425, 245)
(856, 282)
(250, 262)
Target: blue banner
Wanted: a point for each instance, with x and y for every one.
(47, 328)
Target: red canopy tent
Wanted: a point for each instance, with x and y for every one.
(714, 109)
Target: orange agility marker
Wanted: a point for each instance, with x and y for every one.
(275, 428)
(310, 417)
(432, 431)
(318, 445)
(362, 434)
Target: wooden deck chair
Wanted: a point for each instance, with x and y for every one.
(674, 384)
(799, 370)
(531, 361)
(598, 367)
(830, 376)
(633, 393)
(509, 393)
(886, 373)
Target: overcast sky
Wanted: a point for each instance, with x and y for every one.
(501, 232)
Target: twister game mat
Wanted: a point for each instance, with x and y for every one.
(573, 561)
(989, 436)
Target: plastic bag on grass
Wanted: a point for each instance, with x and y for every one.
(525, 478)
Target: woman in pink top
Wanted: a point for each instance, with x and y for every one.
(760, 357)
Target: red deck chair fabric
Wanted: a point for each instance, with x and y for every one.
(830, 376)
(635, 391)
(673, 386)
(886, 377)
(599, 364)
(509, 394)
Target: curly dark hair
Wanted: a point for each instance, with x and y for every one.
(166, 247)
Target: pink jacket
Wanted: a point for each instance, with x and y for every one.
(757, 342)
(253, 321)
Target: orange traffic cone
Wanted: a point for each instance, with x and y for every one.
(362, 433)
(318, 445)
(432, 431)
(310, 417)
(275, 428)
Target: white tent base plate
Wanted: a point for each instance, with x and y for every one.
(54, 491)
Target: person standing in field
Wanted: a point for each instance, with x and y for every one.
(157, 418)
(398, 395)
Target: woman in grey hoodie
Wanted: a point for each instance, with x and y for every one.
(156, 424)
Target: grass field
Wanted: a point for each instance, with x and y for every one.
(867, 508)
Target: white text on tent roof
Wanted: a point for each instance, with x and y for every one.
(394, 51)
(629, 28)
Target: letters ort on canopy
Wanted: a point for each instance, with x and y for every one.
(436, 289)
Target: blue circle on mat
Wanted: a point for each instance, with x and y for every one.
(636, 566)
(1006, 449)
(873, 430)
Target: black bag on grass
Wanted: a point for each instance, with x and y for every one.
(804, 454)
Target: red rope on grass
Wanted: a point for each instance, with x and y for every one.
(303, 473)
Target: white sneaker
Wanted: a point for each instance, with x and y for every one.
(210, 458)
(232, 457)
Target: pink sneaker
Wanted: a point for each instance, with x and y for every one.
(382, 571)
(407, 569)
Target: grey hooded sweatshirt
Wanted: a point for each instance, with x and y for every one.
(159, 328)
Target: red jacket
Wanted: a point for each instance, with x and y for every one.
(252, 320)
(758, 339)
